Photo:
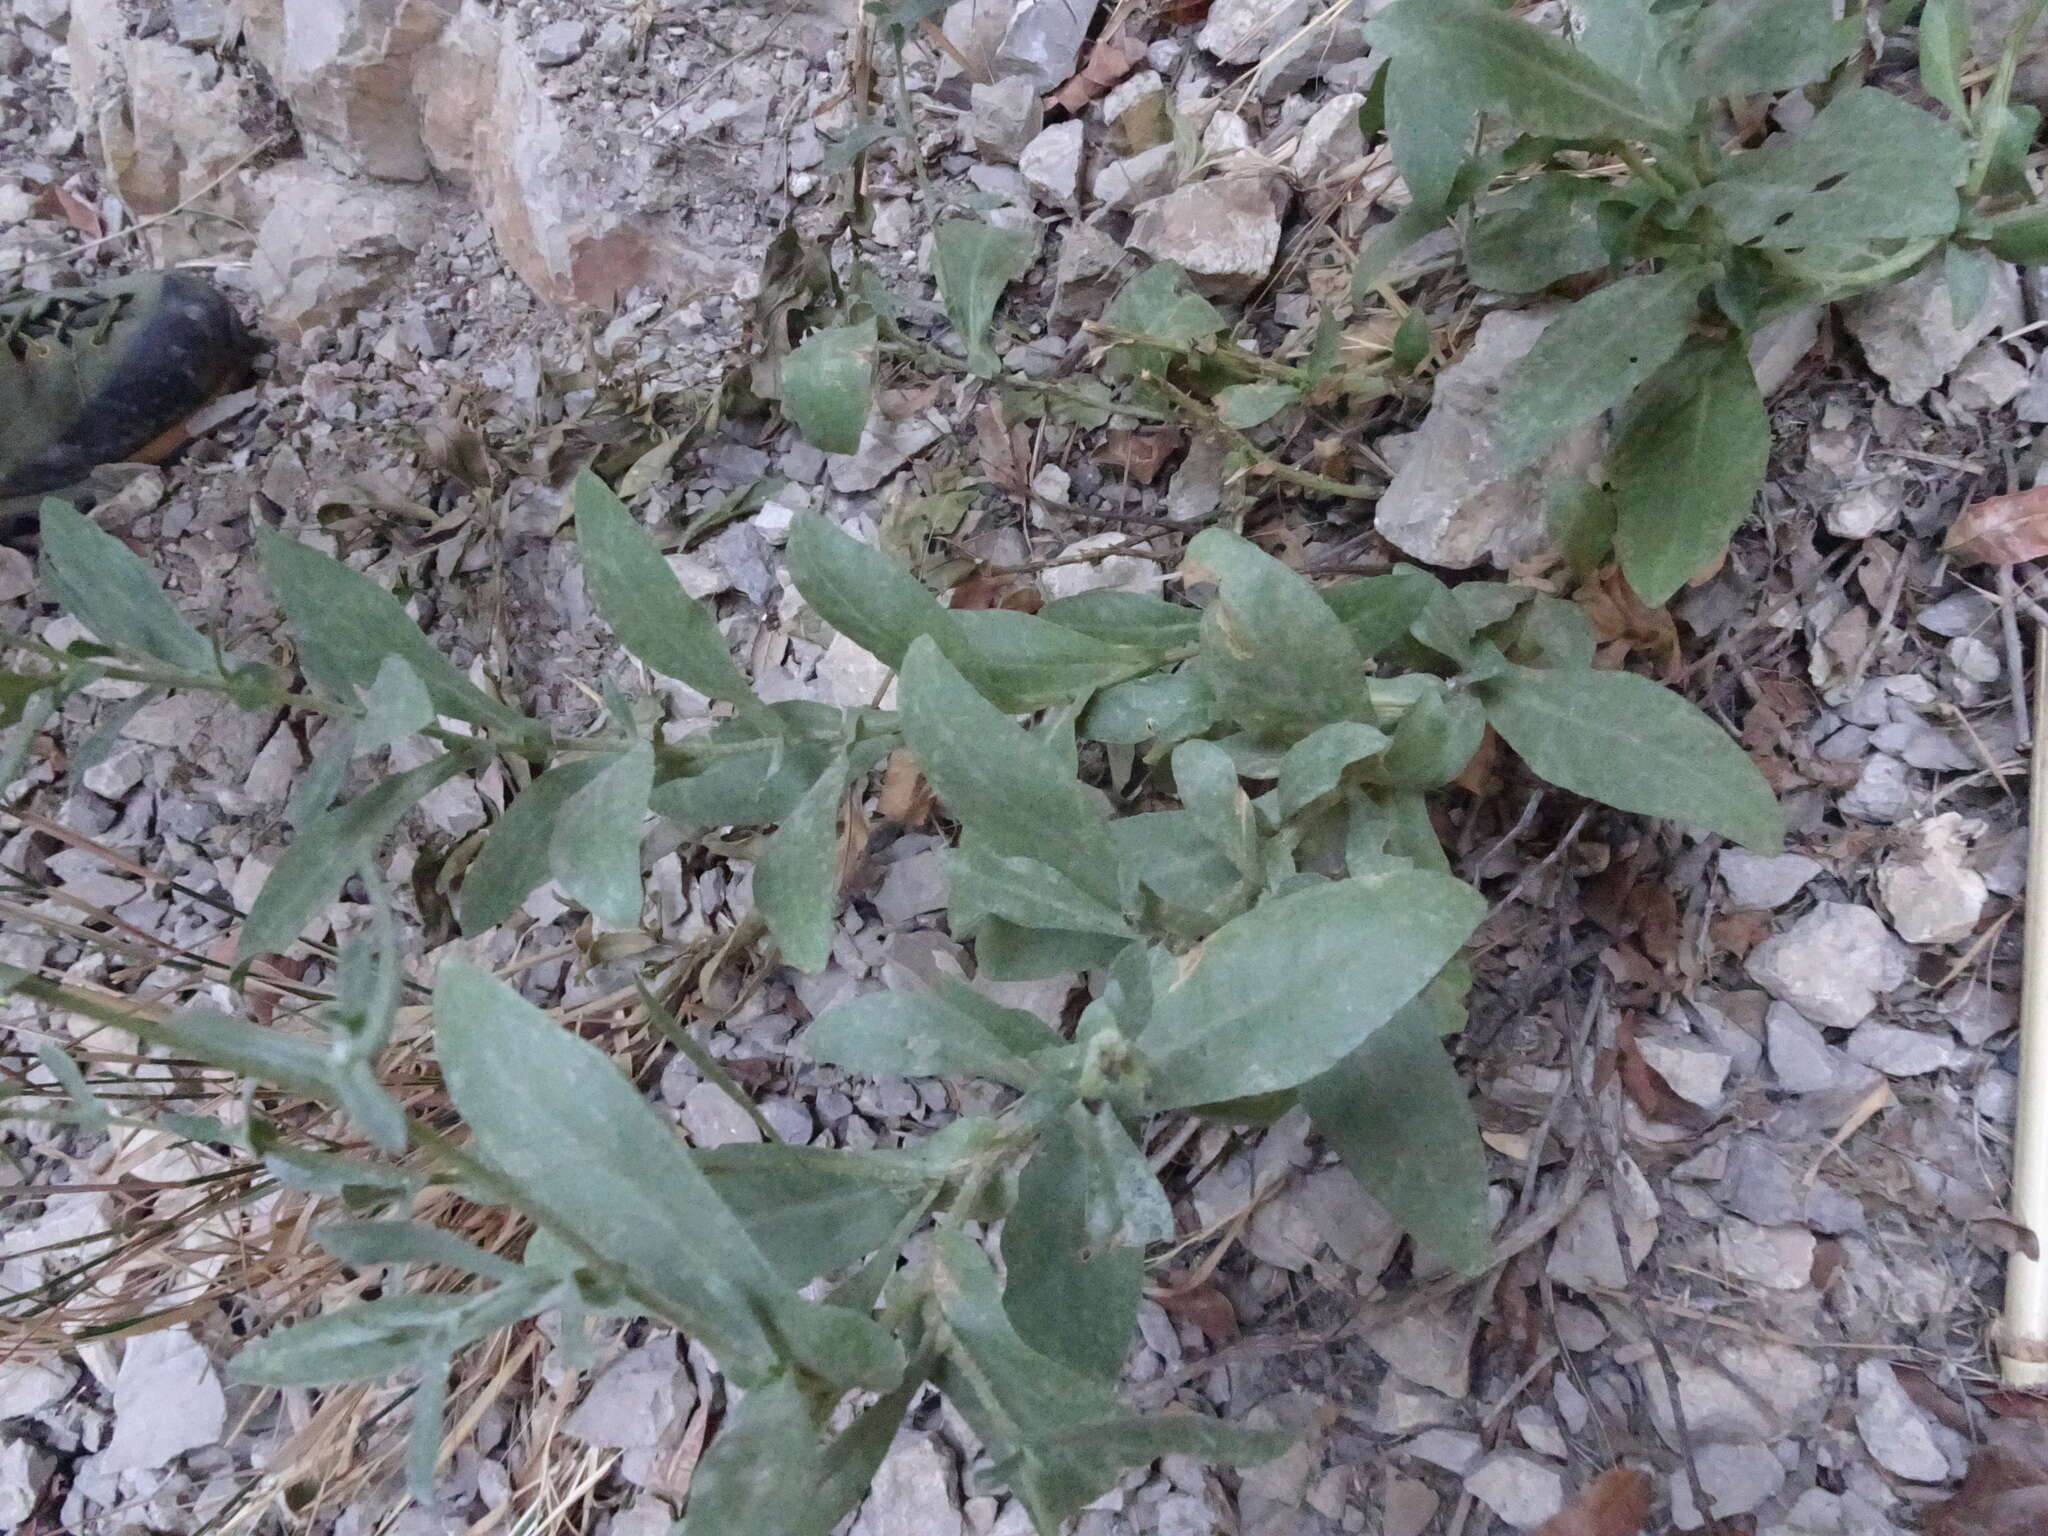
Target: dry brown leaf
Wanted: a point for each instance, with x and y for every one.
(1140, 452)
(78, 213)
(1004, 453)
(1109, 61)
(2001, 530)
(1616, 1503)
(1207, 1308)
(2005, 1492)
(905, 799)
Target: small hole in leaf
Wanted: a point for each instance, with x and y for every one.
(1829, 183)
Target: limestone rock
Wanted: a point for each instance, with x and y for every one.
(167, 1401)
(1932, 894)
(1225, 232)
(1801, 1057)
(330, 244)
(560, 42)
(1900, 1052)
(1908, 331)
(1122, 573)
(1331, 139)
(1051, 163)
(1781, 346)
(1450, 502)
(1043, 40)
(1894, 1430)
(1138, 178)
(1735, 1478)
(1765, 883)
(346, 69)
(167, 123)
(570, 210)
(1239, 31)
(1832, 965)
(1523, 1490)
(1007, 116)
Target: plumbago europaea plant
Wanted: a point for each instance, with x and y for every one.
(1624, 154)
(1214, 809)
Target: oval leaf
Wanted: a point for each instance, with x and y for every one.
(828, 385)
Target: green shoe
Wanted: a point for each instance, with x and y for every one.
(109, 374)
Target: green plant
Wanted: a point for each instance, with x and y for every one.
(1296, 941)
(1615, 156)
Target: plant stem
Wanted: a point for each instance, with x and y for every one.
(1265, 464)
(1654, 178)
(1991, 110)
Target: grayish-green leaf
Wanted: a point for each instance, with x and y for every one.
(1396, 1111)
(1007, 786)
(796, 878)
(1638, 41)
(762, 1469)
(1624, 741)
(1748, 47)
(594, 848)
(1021, 662)
(362, 1244)
(1170, 854)
(1688, 459)
(1126, 618)
(1966, 272)
(1593, 356)
(395, 706)
(1497, 62)
(1433, 740)
(1167, 706)
(1869, 167)
(1028, 892)
(1158, 303)
(1206, 779)
(352, 1343)
(87, 1112)
(1534, 233)
(2021, 235)
(860, 591)
(815, 1210)
(1944, 53)
(914, 1034)
(828, 385)
(1315, 765)
(1430, 128)
(593, 1160)
(1286, 991)
(99, 581)
(514, 860)
(1072, 1287)
(332, 847)
(1278, 660)
(644, 602)
(347, 625)
(974, 262)
(752, 771)
(1057, 1435)
(1253, 405)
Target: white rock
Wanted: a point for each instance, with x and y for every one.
(29, 1385)
(1225, 135)
(1331, 139)
(1539, 1431)
(1883, 791)
(631, 1405)
(1087, 271)
(1043, 40)
(1987, 380)
(1780, 1258)
(1735, 1478)
(1225, 232)
(1129, 92)
(1407, 1507)
(167, 1401)
(1239, 31)
(1051, 165)
(1764, 883)
(1899, 1052)
(1832, 965)
(1932, 894)
(1863, 511)
(1007, 116)
(1523, 1490)
(1781, 346)
(1908, 331)
(331, 244)
(1894, 1430)
(1586, 1256)
(913, 1493)
(200, 23)
(1694, 1070)
(1430, 1346)
(1801, 1057)
(714, 1120)
(1136, 179)
(1124, 573)
(1402, 1407)
(559, 42)
(51, 16)
(1452, 1449)
(24, 1472)
(1450, 502)
(1960, 613)
(885, 447)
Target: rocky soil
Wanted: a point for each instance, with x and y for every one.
(1749, 1117)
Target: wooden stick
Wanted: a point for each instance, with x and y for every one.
(2023, 1337)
